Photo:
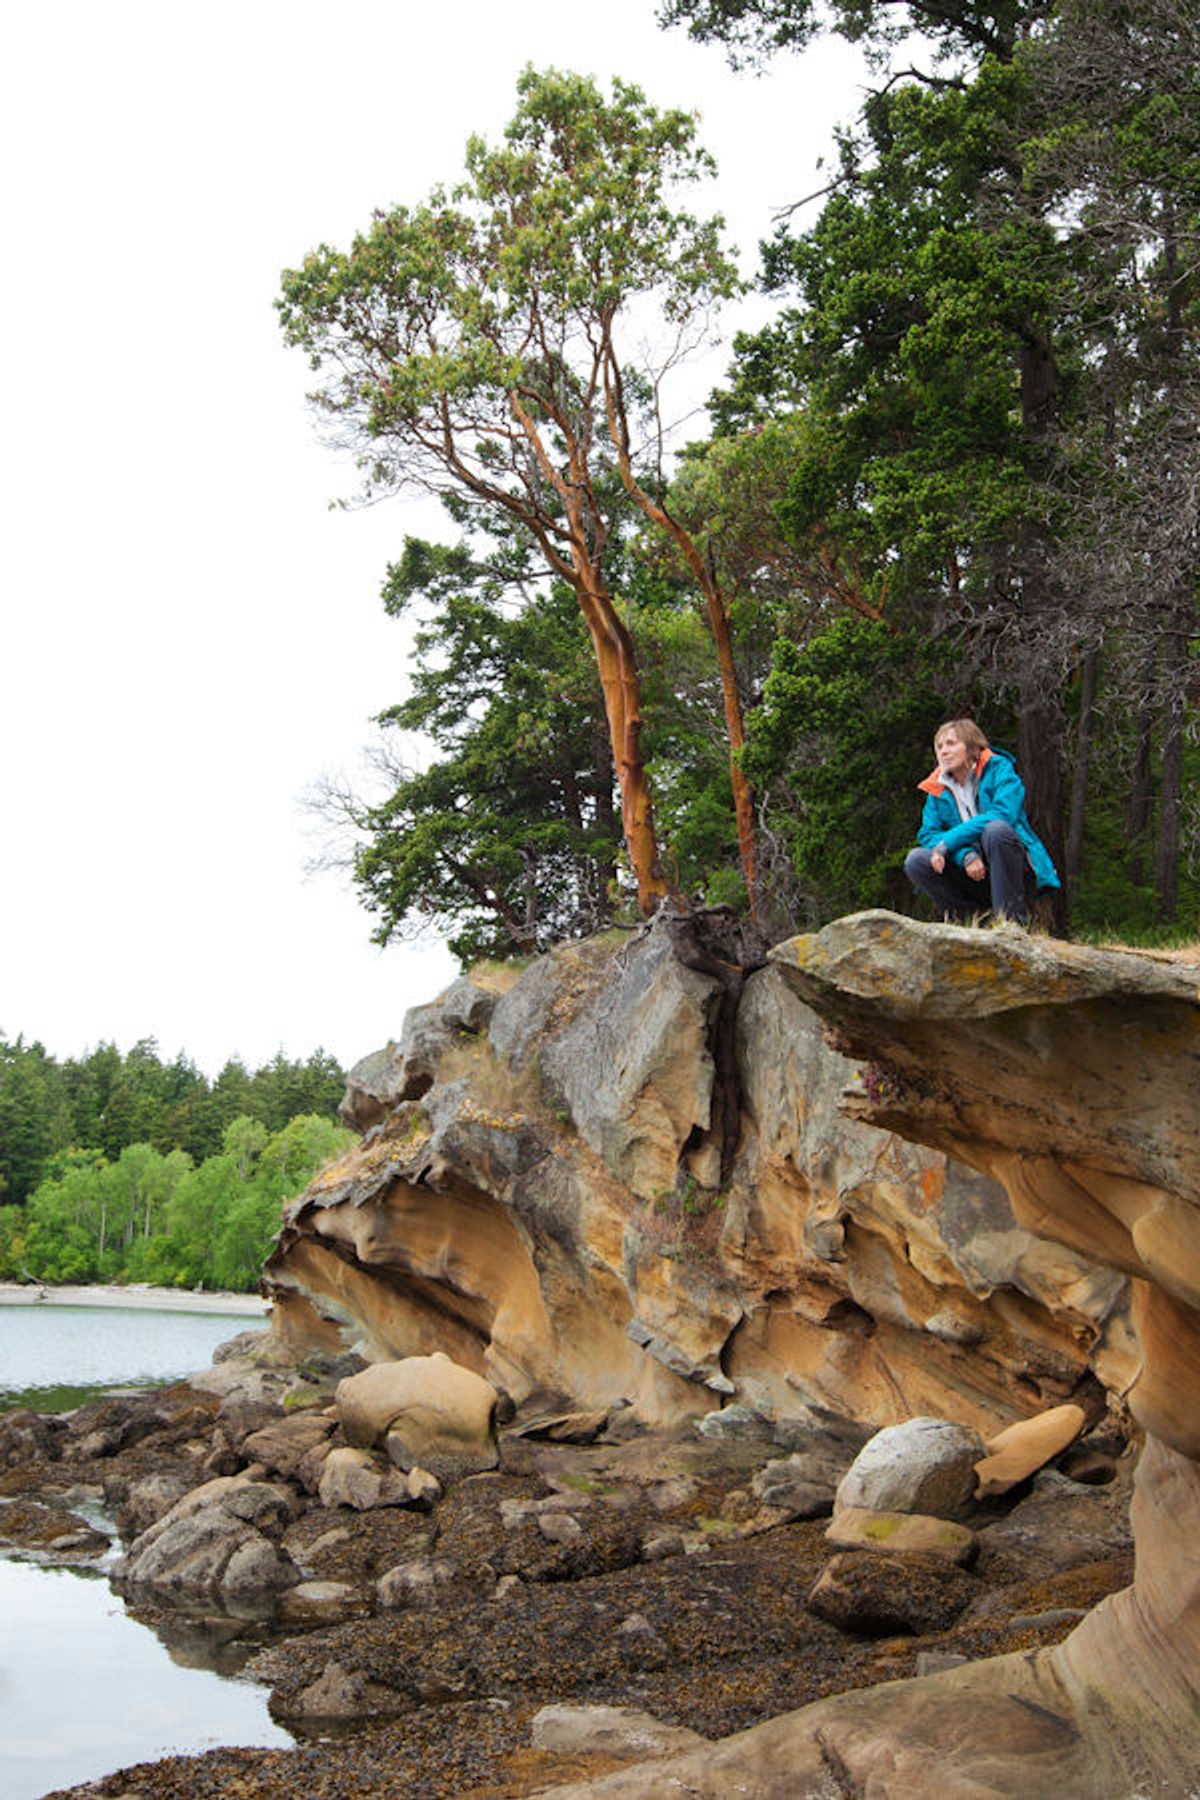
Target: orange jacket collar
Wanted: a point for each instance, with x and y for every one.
(933, 783)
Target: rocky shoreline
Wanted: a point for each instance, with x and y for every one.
(651, 1554)
(467, 1639)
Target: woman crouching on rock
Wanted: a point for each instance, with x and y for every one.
(977, 849)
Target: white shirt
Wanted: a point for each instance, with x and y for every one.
(966, 794)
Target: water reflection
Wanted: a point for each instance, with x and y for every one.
(85, 1686)
(86, 1689)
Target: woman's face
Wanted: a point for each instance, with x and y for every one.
(954, 759)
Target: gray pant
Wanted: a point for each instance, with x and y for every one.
(956, 896)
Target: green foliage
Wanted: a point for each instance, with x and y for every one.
(1115, 897)
(973, 417)
(991, 332)
(467, 342)
(150, 1217)
(918, 289)
(472, 346)
(687, 752)
(753, 30)
(34, 1116)
(835, 752)
(106, 1102)
(506, 841)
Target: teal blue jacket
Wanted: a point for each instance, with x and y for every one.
(1001, 796)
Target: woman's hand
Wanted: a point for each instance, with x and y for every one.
(975, 867)
(937, 859)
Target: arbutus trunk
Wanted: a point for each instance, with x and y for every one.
(622, 704)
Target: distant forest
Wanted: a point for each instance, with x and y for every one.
(120, 1167)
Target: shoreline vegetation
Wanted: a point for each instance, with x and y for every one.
(158, 1220)
(141, 1295)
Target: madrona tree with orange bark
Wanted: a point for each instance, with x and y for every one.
(482, 343)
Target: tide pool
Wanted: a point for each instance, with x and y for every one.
(85, 1689)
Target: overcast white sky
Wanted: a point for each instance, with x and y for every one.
(189, 636)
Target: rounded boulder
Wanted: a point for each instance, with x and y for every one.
(920, 1466)
(428, 1411)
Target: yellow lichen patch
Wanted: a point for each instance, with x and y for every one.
(332, 1175)
(581, 969)
(970, 970)
(403, 1135)
(718, 1528)
(469, 1113)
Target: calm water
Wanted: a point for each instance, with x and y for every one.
(84, 1689)
(52, 1357)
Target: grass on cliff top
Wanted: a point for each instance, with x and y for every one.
(1168, 943)
(497, 977)
(499, 1095)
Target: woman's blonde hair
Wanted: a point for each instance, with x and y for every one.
(967, 730)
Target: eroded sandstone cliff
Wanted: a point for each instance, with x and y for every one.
(1071, 1075)
(538, 1193)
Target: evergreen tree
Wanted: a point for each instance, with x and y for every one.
(989, 331)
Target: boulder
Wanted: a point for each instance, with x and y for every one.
(309, 1469)
(206, 1552)
(148, 1499)
(414, 1583)
(921, 1466)
(468, 1007)
(312, 1603)
(283, 1443)
(423, 1487)
(218, 1491)
(563, 1428)
(245, 1379)
(1019, 1450)
(1063, 1524)
(861, 1528)
(257, 1341)
(427, 1409)
(28, 1437)
(102, 1427)
(384, 1079)
(357, 1479)
(269, 1509)
(256, 1567)
(337, 1693)
(734, 1423)
(879, 1596)
(608, 1730)
(239, 1414)
(374, 1085)
(405, 1071)
(802, 1486)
